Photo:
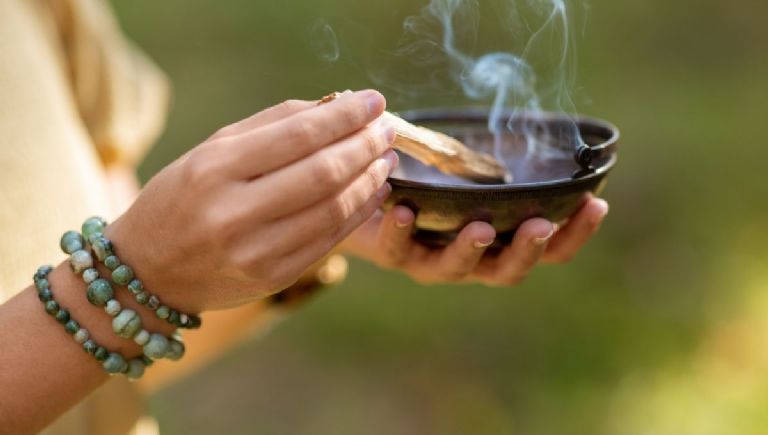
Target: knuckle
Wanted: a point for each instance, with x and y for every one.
(373, 143)
(223, 132)
(338, 211)
(199, 170)
(374, 180)
(289, 106)
(243, 263)
(328, 170)
(303, 132)
(218, 224)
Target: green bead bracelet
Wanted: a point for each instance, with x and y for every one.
(112, 362)
(100, 291)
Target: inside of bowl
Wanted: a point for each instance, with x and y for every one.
(534, 149)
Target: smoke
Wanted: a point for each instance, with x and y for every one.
(504, 79)
(324, 41)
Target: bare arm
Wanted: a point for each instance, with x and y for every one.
(44, 371)
(237, 219)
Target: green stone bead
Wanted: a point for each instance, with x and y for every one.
(42, 272)
(102, 247)
(80, 260)
(52, 307)
(127, 323)
(71, 326)
(135, 286)
(90, 346)
(42, 284)
(45, 295)
(142, 298)
(101, 353)
(153, 303)
(81, 336)
(122, 275)
(147, 361)
(142, 337)
(90, 275)
(112, 262)
(195, 322)
(99, 292)
(176, 350)
(71, 241)
(174, 318)
(135, 369)
(115, 363)
(163, 312)
(62, 316)
(92, 226)
(156, 347)
(112, 307)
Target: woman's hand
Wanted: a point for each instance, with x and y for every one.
(244, 214)
(386, 240)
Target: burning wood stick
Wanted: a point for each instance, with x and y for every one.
(442, 151)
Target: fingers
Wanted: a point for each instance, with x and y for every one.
(291, 139)
(577, 231)
(265, 117)
(516, 261)
(325, 173)
(330, 216)
(321, 246)
(460, 258)
(394, 237)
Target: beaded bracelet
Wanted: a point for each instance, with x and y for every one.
(126, 323)
(112, 362)
(93, 232)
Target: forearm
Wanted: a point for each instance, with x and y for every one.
(44, 371)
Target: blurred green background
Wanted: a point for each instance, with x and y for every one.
(660, 326)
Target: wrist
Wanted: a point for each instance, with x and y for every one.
(150, 265)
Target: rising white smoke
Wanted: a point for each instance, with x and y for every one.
(505, 79)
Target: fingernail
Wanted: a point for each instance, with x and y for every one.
(392, 160)
(480, 244)
(605, 208)
(402, 225)
(376, 103)
(347, 92)
(541, 241)
(384, 191)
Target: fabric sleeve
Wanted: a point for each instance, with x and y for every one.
(121, 95)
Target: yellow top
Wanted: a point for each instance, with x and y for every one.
(75, 97)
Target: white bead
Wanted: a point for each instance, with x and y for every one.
(112, 307)
(184, 319)
(142, 337)
(81, 336)
(80, 261)
(90, 275)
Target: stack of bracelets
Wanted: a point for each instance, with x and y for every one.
(126, 323)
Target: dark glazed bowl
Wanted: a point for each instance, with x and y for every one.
(552, 186)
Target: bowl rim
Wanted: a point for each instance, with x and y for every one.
(446, 114)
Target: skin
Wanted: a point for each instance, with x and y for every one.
(238, 218)
(385, 240)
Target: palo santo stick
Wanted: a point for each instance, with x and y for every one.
(445, 153)
(442, 151)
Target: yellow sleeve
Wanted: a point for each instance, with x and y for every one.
(121, 95)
